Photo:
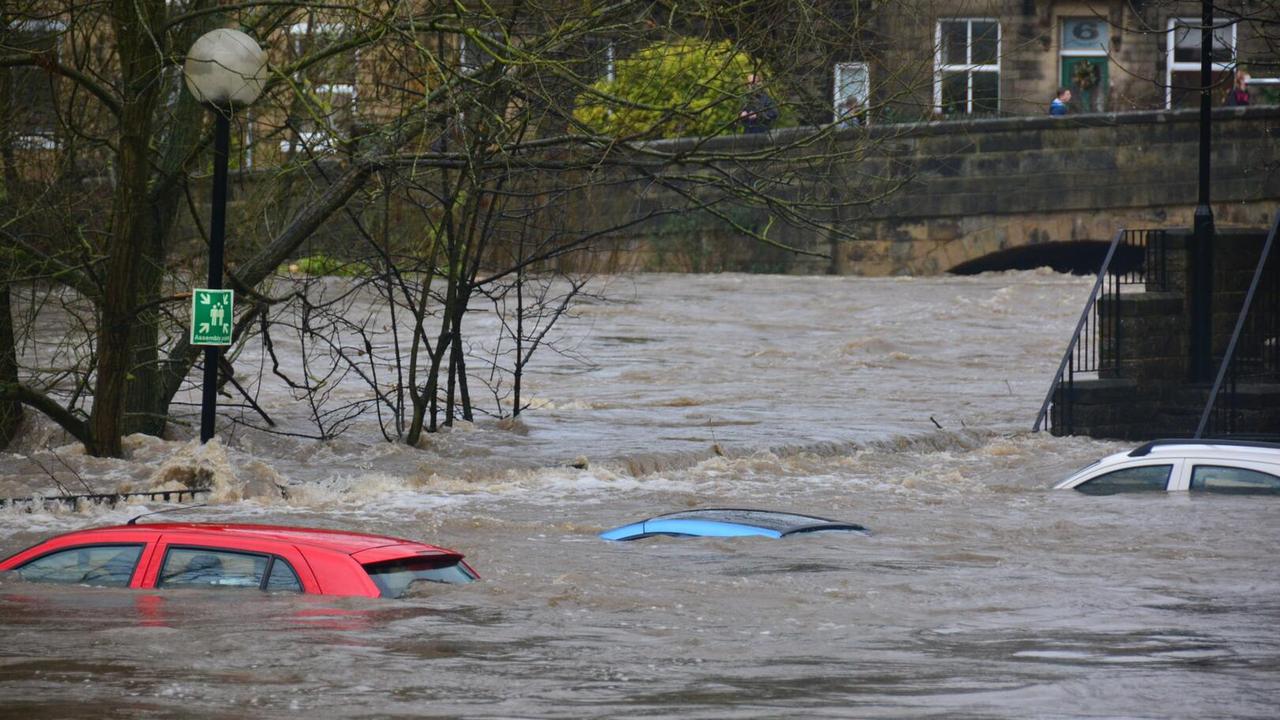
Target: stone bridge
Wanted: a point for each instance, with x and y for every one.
(1015, 192)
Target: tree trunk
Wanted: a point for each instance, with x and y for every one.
(145, 410)
(146, 405)
(136, 23)
(10, 411)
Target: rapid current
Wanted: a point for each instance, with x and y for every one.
(904, 405)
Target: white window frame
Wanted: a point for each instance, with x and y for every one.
(317, 141)
(1171, 67)
(37, 141)
(321, 140)
(246, 152)
(303, 28)
(969, 69)
(464, 46)
(839, 83)
(52, 26)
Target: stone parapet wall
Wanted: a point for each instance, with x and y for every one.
(964, 190)
(977, 187)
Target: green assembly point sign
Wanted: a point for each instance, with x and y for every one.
(211, 316)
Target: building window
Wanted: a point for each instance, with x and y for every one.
(967, 67)
(246, 142)
(1182, 70)
(851, 91)
(323, 111)
(1082, 63)
(33, 111)
(475, 53)
(595, 60)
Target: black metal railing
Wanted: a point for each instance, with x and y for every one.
(1135, 257)
(1253, 353)
(108, 499)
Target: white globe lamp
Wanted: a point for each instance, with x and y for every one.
(226, 68)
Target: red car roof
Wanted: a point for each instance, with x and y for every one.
(338, 540)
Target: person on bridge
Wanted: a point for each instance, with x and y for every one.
(759, 111)
(850, 113)
(1238, 94)
(1059, 104)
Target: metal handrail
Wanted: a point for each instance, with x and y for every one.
(1088, 349)
(1240, 322)
(110, 499)
(1075, 336)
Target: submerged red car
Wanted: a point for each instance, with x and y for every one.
(262, 557)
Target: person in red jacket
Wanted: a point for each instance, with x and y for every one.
(1238, 94)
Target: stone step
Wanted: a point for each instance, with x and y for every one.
(1125, 408)
(1143, 304)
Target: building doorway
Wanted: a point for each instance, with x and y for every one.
(1083, 49)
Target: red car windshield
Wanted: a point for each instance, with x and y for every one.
(394, 577)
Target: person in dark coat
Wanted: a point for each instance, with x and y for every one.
(759, 112)
(1238, 94)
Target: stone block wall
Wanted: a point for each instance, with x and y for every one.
(968, 189)
(956, 191)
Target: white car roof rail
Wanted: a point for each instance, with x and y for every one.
(1146, 449)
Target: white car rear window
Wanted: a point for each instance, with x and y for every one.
(1224, 479)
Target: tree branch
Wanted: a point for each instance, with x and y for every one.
(43, 60)
(36, 400)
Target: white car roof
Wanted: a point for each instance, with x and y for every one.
(1180, 448)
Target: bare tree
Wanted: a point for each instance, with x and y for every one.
(453, 122)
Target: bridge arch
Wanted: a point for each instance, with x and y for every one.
(1078, 257)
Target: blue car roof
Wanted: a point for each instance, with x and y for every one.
(728, 522)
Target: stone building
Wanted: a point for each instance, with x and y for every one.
(902, 61)
(1007, 57)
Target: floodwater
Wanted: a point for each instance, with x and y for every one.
(900, 404)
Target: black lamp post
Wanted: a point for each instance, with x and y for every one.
(225, 70)
(1202, 242)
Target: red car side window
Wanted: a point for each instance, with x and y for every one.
(105, 565)
(205, 567)
(282, 577)
(212, 567)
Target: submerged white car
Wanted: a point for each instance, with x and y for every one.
(1217, 466)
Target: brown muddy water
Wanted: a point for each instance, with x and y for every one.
(979, 594)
